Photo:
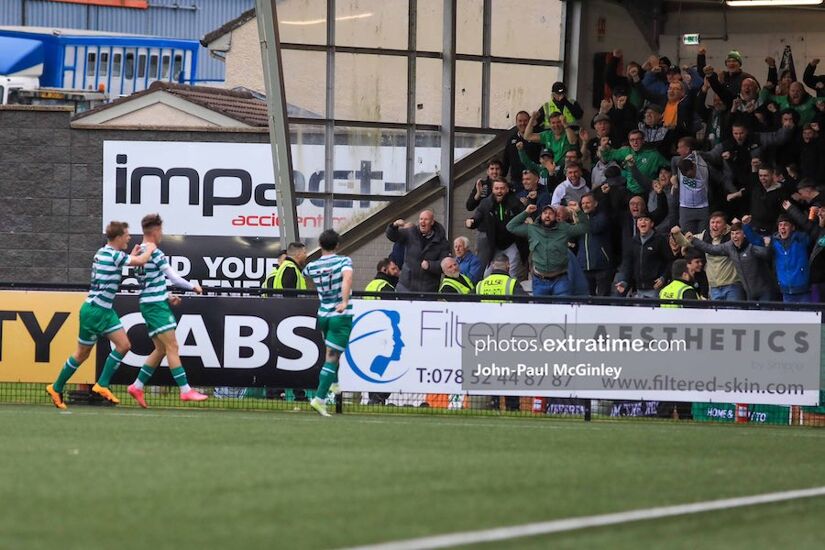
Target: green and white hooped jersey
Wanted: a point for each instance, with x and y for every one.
(107, 271)
(152, 278)
(327, 273)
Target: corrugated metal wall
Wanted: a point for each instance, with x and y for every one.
(189, 19)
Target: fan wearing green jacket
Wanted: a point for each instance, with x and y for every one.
(548, 238)
(647, 159)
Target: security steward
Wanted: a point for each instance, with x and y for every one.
(499, 282)
(386, 277)
(681, 287)
(454, 282)
(288, 276)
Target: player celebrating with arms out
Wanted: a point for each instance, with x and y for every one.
(159, 319)
(332, 276)
(97, 318)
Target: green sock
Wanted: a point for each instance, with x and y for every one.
(109, 368)
(329, 372)
(143, 376)
(66, 372)
(179, 375)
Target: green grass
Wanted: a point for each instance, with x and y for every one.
(128, 478)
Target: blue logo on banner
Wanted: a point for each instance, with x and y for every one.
(374, 345)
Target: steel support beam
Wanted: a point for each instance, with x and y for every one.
(486, 52)
(278, 122)
(329, 126)
(572, 15)
(412, 39)
(448, 109)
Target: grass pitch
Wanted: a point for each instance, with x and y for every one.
(129, 478)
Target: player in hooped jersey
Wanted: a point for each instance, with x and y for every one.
(332, 276)
(158, 316)
(97, 317)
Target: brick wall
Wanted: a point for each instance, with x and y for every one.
(51, 186)
(51, 182)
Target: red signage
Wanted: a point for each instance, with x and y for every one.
(140, 4)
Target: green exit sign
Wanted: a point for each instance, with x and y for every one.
(690, 39)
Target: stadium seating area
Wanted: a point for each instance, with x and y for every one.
(711, 165)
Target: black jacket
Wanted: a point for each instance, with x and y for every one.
(765, 206)
(642, 264)
(812, 160)
(511, 163)
(622, 121)
(416, 249)
(721, 130)
(486, 190)
(594, 248)
(491, 218)
(811, 80)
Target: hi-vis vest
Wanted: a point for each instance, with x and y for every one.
(496, 285)
(462, 286)
(275, 279)
(674, 291)
(377, 285)
(550, 108)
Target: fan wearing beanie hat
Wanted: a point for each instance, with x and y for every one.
(734, 55)
(733, 75)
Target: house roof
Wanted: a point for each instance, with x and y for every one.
(242, 106)
(228, 27)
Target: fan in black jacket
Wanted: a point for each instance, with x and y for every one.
(815, 82)
(490, 218)
(645, 262)
(511, 165)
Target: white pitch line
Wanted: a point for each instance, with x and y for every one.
(571, 524)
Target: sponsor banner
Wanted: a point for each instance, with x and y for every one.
(726, 412)
(227, 341)
(418, 347)
(38, 332)
(229, 262)
(710, 361)
(228, 189)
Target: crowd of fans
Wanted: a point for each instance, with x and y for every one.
(688, 182)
